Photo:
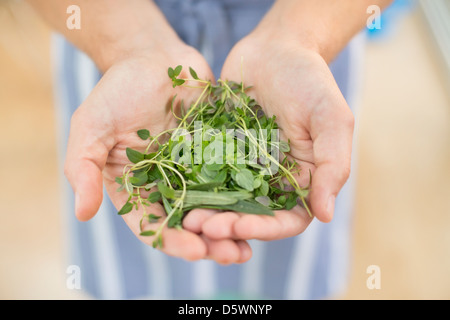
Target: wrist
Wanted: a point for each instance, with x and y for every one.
(287, 29)
(140, 44)
(324, 27)
(143, 33)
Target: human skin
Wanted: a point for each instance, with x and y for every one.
(286, 60)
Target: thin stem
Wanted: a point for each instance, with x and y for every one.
(194, 105)
(155, 138)
(145, 212)
(195, 80)
(164, 175)
(235, 168)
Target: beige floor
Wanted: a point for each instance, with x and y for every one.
(402, 221)
(403, 189)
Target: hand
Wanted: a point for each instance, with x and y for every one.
(135, 93)
(295, 84)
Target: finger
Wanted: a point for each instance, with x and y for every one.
(175, 242)
(220, 226)
(227, 251)
(85, 159)
(332, 156)
(194, 222)
(283, 225)
(86, 180)
(245, 251)
(183, 244)
(195, 219)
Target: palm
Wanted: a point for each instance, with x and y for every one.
(145, 99)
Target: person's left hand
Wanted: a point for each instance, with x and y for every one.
(295, 84)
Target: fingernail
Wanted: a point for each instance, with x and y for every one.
(330, 206)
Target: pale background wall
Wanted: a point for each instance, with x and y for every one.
(402, 221)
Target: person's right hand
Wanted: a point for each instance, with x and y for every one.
(135, 93)
(292, 81)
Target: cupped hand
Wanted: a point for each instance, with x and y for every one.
(295, 84)
(135, 93)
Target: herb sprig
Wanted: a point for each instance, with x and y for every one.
(234, 162)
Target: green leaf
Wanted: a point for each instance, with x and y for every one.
(302, 192)
(291, 201)
(244, 206)
(214, 166)
(158, 242)
(207, 175)
(205, 186)
(175, 219)
(133, 180)
(147, 233)
(127, 207)
(195, 197)
(153, 218)
(154, 174)
(221, 177)
(264, 200)
(167, 192)
(166, 204)
(150, 155)
(119, 180)
(154, 196)
(171, 73)
(134, 156)
(282, 200)
(252, 207)
(193, 73)
(144, 134)
(139, 179)
(284, 146)
(244, 179)
(257, 182)
(177, 70)
(264, 188)
(178, 82)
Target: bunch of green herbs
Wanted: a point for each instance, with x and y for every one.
(228, 168)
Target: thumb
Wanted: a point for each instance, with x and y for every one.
(332, 156)
(85, 159)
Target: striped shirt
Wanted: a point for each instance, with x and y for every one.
(114, 264)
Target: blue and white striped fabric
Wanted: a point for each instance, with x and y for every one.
(114, 264)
